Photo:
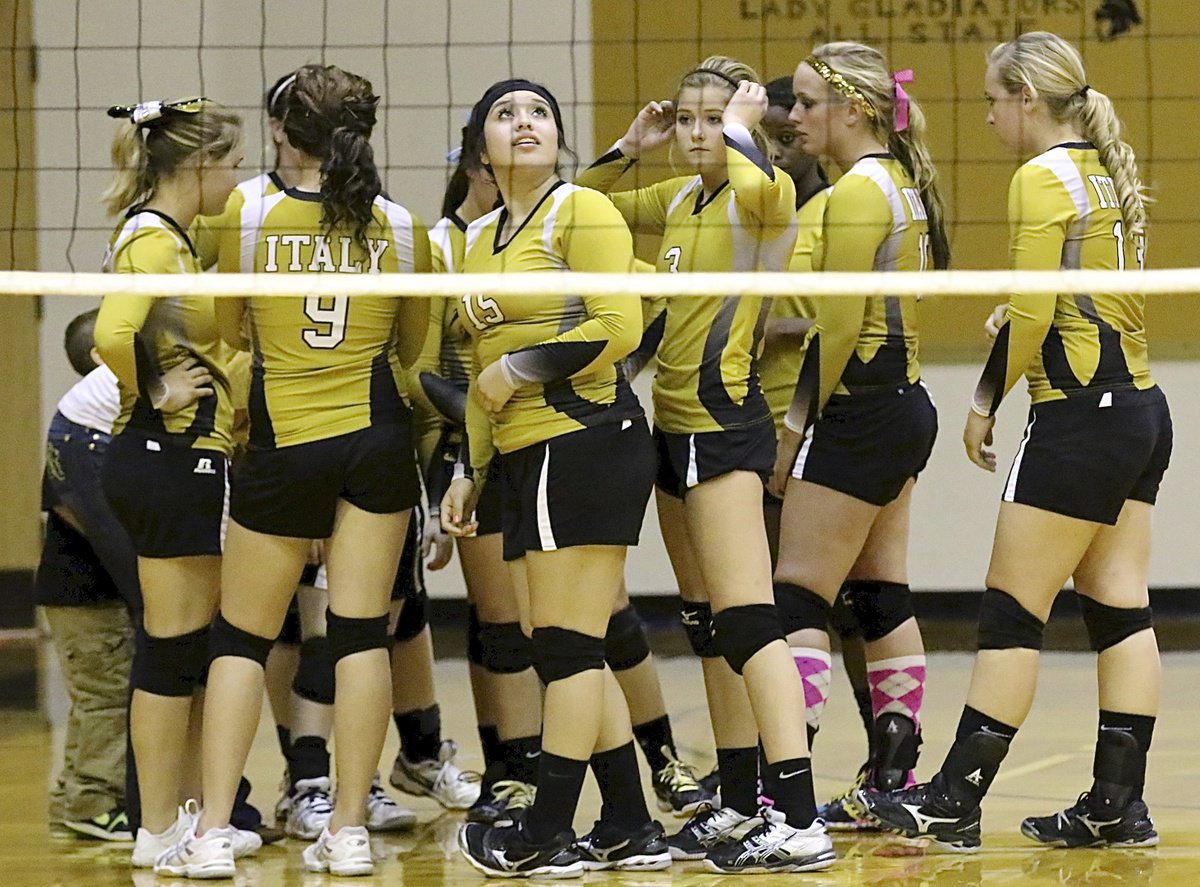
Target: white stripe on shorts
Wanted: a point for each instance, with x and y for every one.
(798, 467)
(1010, 488)
(225, 508)
(545, 529)
(693, 473)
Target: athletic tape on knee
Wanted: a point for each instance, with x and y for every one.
(414, 616)
(169, 666)
(560, 653)
(474, 650)
(314, 673)
(227, 639)
(625, 644)
(504, 648)
(697, 620)
(740, 632)
(879, 607)
(348, 635)
(800, 608)
(1004, 624)
(1108, 626)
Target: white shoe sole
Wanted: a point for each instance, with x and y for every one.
(644, 863)
(401, 781)
(817, 863)
(209, 871)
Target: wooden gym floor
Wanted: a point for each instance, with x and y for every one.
(1049, 765)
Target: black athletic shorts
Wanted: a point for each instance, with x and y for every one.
(870, 445)
(587, 487)
(489, 509)
(169, 497)
(687, 460)
(1084, 456)
(410, 574)
(294, 491)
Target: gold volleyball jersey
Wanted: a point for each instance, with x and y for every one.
(779, 366)
(565, 348)
(1063, 213)
(453, 361)
(207, 231)
(874, 220)
(438, 381)
(706, 379)
(141, 337)
(323, 366)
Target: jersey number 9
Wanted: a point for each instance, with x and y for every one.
(329, 312)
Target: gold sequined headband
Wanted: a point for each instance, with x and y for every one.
(839, 83)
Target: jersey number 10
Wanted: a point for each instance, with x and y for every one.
(330, 313)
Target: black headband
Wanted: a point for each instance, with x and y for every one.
(497, 90)
(716, 74)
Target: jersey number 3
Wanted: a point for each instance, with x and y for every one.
(329, 312)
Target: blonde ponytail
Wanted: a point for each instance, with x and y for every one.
(1052, 70)
(865, 75)
(146, 151)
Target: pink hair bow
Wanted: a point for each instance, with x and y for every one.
(905, 76)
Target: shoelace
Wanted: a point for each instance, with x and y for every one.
(680, 777)
(515, 794)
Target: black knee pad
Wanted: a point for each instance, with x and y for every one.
(879, 607)
(740, 632)
(800, 608)
(414, 616)
(348, 635)
(559, 653)
(474, 648)
(1108, 626)
(1004, 624)
(504, 649)
(314, 673)
(697, 621)
(229, 640)
(625, 644)
(169, 666)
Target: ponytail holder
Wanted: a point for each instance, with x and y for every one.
(147, 113)
(1083, 91)
(901, 113)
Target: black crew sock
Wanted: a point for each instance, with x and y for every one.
(652, 736)
(1140, 727)
(980, 745)
(789, 785)
(559, 782)
(309, 759)
(520, 758)
(739, 778)
(623, 801)
(420, 732)
(489, 741)
(862, 697)
(284, 735)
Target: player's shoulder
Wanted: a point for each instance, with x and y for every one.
(868, 183)
(1053, 169)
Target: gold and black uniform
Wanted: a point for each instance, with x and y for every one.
(868, 422)
(441, 378)
(165, 472)
(1099, 427)
(328, 415)
(577, 464)
(707, 379)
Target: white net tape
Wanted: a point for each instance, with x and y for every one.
(936, 283)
